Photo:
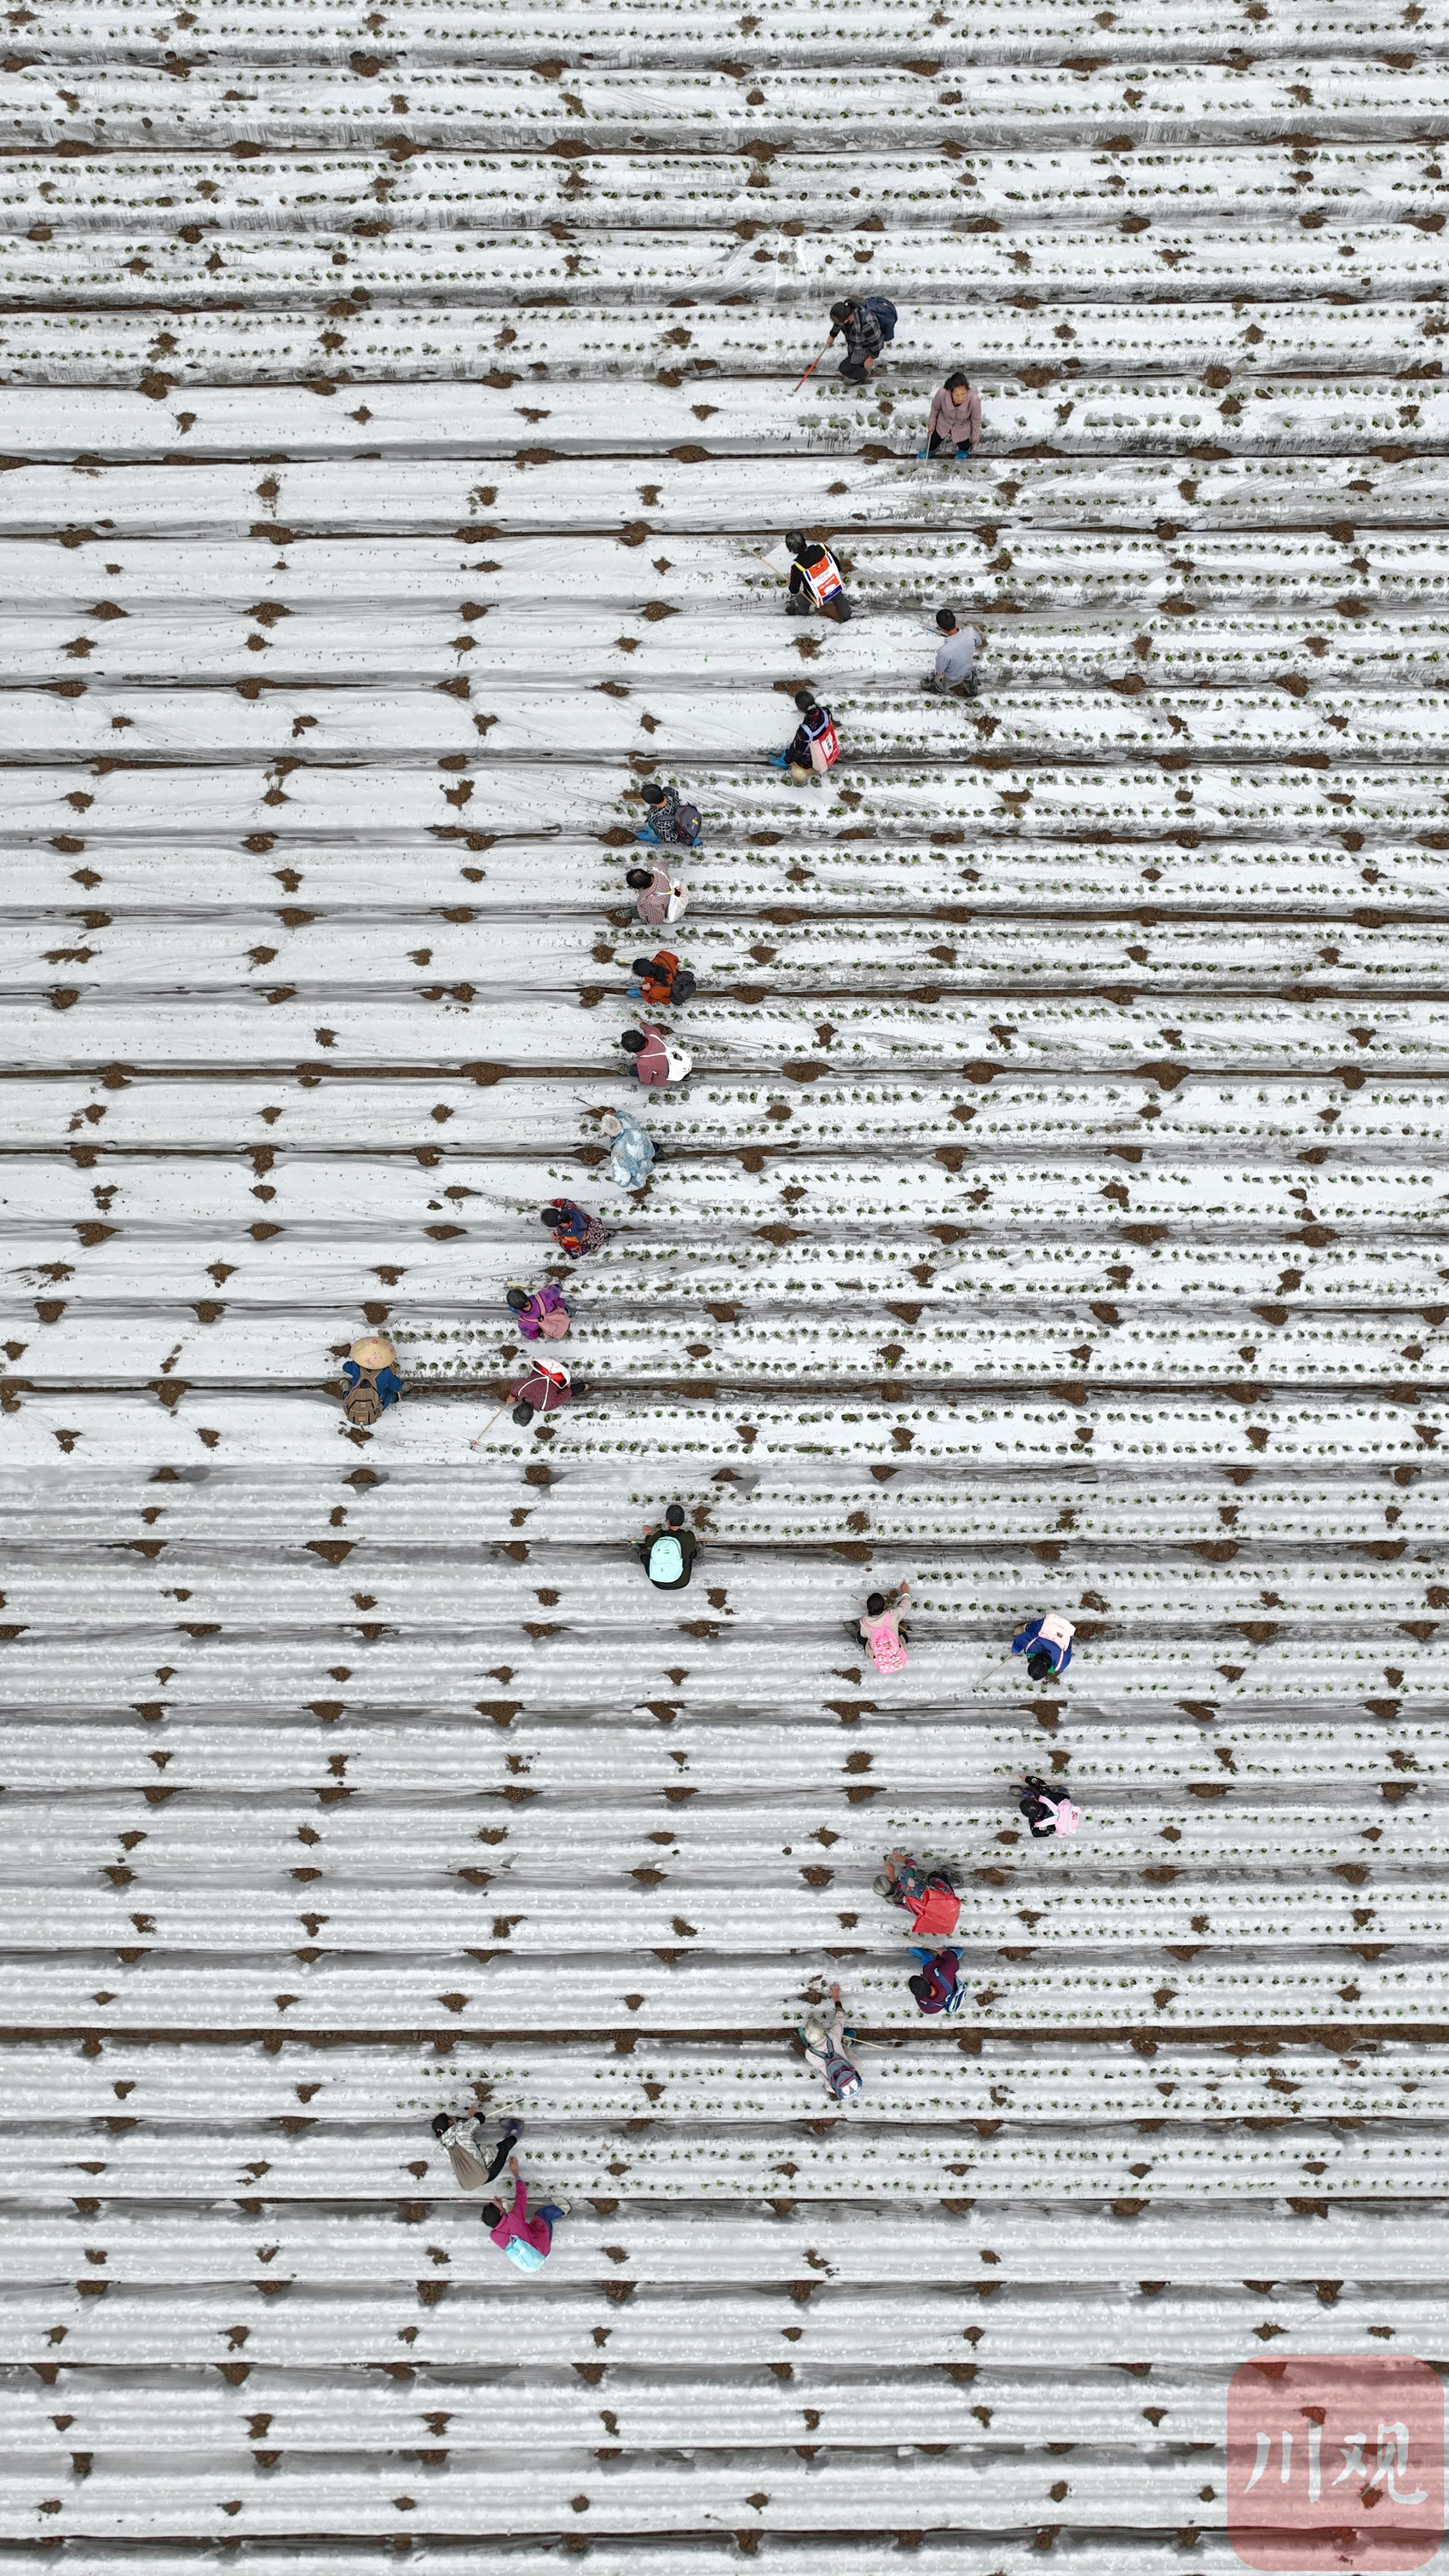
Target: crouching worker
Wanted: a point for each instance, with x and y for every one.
(544, 1311)
(938, 1987)
(631, 1154)
(370, 1370)
(526, 2241)
(927, 1895)
(869, 325)
(661, 981)
(956, 654)
(667, 1555)
(656, 1062)
(546, 1387)
(1047, 1646)
(573, 1229)
(954, 425)
(467, 2159)
(657, 895)
(814, 580)
(1047, 1811)
(814, 746)
(669, 820)
(882, 1631)
(824, 2046)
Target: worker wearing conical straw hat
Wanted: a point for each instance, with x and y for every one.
(370, 1370)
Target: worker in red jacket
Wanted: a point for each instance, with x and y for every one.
(545, 1388)
(928, 1896)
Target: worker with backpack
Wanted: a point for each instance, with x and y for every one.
(937, 1988)
(371, 1379)
(869, 324)
(667, 1555)
(661, 981)
(1047, 1811)
(814, 747)
(668, 819)
(1047, 1646)
(814, 580)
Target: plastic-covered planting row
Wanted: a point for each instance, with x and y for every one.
(1220, 879)
(731, 718)
(331, 492)
(1196, 1114)
(931, 798)
(1388, 580)
(742, 415)
(502, 954)
(443, 190)
(706, 108)
(1298, 1988)
(850, 31)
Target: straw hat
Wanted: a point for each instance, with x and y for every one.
(374, 1351)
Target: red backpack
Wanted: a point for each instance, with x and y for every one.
(824, 743)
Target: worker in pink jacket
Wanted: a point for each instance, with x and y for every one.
(954, 425)
(658, 895)
(526, 2241)
(655, 1062)
(883, 1632)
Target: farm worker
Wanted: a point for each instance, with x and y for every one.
(668, 1555)
(1047, 1646)
(814, 580)
(467, 2160)
(927, 1895)
(955, 657)
(955, 419)
(573, 1229)
(937, 1989)
(881, 1633)
(655, 1063)
(867, 324)
(631, 1157)
(546, 1387)
(526, 2241)
(814, 746)
(538, 1311)
(824, 2045)
(1047, 1811)
(657, 895)
(668, 819)
(661, 981)
(370, 1370)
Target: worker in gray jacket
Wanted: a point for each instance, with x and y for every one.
(463, 2134)
(956, 653)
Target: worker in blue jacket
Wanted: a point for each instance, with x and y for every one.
(1047, 1646)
